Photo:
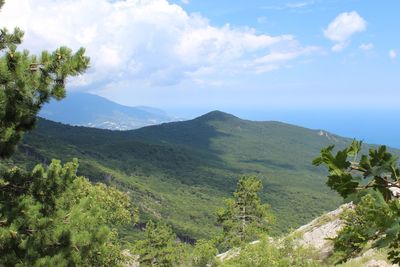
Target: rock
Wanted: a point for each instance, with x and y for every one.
(378, 263)
(133, 259)
(317, 234)
(232, 253)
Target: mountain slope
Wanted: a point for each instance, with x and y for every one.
(317, 236)
(182, 171)
(95, 111)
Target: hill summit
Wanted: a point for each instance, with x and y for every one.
(181, 171)
(217, 115)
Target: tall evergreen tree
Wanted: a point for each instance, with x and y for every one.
(244, 217)
(159, 247)
(50, 216)
(27, 82)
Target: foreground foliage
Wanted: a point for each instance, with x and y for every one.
(373, 183)
(51, 217)
(27, 82)
(273, 254)
(244, 218)
(159, 247)
(203, 253)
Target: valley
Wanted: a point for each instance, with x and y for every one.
(182, 171)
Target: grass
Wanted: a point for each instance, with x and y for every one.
(377, 255)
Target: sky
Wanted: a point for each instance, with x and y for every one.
(330, 64)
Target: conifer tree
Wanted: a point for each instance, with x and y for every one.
(244, 218)
(27, 82)
(160, 247)
(50, 216)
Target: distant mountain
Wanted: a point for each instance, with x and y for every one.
(182, 171)
(90, 110)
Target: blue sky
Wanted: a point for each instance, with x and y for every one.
(317, 63)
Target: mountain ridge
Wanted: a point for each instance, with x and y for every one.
(90, 110)
(182, 171)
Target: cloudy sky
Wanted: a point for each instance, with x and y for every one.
(246, 57)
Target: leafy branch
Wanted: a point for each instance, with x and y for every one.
(376, 216)
(377, 170)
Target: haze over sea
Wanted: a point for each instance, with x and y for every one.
(370, 125)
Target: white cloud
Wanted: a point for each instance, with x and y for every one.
(284, 56)
(146, 41)
(343, 27)
(339, 47)
(299, 4)
(292, 5)
(392, 54)
(186, 2)
(276, 59)
(262, 20)
(367, 47)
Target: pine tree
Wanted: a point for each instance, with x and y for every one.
(244, 218)
(50, 216)
(160, 247)
(27, 82)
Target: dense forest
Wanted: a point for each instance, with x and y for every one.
(162, 173)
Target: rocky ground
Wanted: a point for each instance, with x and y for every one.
(317, 234)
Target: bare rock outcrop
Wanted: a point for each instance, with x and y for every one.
(378, 263)
(317, 233)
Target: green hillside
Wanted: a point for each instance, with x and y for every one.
(182, 171)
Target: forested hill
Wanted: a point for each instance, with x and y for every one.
(273, 144)
(182, 171)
